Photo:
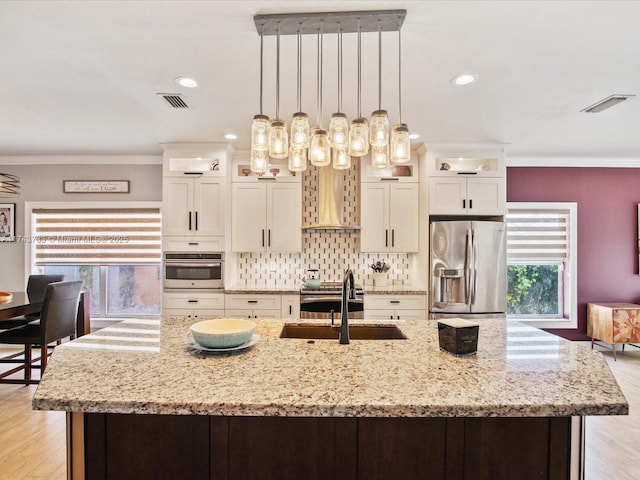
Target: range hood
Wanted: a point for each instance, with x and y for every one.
(330, 201)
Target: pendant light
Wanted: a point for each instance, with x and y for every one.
(260, 128)
(278, 136)
(359, 131)
(339, 127)
(400, 145)
(319, 146)
(379, 129)
(299, 123)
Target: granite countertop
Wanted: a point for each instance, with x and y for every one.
(145, 366)
(295, 290)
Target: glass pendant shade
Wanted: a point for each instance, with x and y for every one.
(339, 130)
(359, 137)
(278, 140)
(400, 145)
(297, 159)
(379, 157)
(379, 129)
(260, 133)
(319, 148)
(300, 130)
(341, 157)
(259, 161)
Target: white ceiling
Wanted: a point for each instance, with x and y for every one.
(81, 77)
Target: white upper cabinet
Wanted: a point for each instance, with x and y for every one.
(389, 217)
(207, 159)
(466, 180)
(266, 216)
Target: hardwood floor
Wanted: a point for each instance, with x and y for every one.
(33, 445)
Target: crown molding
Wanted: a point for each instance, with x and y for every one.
(575, 162)
(80, 159)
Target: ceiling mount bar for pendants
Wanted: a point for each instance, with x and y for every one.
(332, 22)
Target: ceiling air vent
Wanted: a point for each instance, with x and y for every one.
(605, 103)
(174, 99)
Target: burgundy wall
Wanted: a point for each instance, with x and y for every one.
(607, 201)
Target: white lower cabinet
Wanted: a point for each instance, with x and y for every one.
(253, 306)
(196, 305)
(290, 307)
(395, 307)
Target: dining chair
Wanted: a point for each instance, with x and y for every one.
(36, 285)
(57, 321)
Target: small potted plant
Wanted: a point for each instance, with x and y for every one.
(380, 268)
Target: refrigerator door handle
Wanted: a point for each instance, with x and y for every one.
(475, 268)
(468, 268)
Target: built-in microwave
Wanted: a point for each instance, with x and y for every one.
(194, 270)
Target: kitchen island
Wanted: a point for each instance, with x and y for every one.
(142, 404)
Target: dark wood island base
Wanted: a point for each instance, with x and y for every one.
(128, 446)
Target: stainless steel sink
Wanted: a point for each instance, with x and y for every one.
(314, 331)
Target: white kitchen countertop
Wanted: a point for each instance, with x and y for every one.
(145, 366)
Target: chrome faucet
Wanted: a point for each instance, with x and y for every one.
(348, 292)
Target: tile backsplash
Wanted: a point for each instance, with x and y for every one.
(329, 251)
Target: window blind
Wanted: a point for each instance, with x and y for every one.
(97, 236)
(537, 235)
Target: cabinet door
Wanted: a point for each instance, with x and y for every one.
(486, 196)
(290, 306)
(177, 206)
(403, 217)
(284, 217)
(249, 217)
(380, 315)
(447, 196)
(374, 217)
(209, 206)
(411, 314)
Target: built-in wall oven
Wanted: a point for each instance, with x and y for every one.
(321, 302)
(193, 270)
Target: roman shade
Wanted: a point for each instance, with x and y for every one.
(537, 235)
(97, 236)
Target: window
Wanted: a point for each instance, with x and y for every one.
(541, 259)
(116, 252)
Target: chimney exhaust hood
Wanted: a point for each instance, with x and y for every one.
(330, 201)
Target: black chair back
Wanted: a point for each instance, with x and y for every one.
(37, 284)
(59, 310)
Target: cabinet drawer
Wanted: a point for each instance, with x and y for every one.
(395, 302)
(193, 301)
(252, 302)
(187, 244)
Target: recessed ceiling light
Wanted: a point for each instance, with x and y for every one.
(230, 136)
(413, 136)
(187, 82)
(464, 79)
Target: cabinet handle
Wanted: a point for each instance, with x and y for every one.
(290, 309)
(394, 301)
(393, 237)
(263, 237)
(269, 238)
(193, 173)
(390, 317)
(470, 203)
(389, 179)
(192, 301)
(194, 244)
(467, 173)
(386, 238)
(464, 203)
(252, 301)
(398, 317)
(189, 220)
(196, 220)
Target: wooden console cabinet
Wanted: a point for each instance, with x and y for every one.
(613, 323)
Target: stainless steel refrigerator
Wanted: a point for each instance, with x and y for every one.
(468, 269)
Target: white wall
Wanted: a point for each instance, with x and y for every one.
(43, 183)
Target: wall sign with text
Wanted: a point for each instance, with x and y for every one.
(95, 186)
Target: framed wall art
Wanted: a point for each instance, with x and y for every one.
(95, 186)
(7, 222)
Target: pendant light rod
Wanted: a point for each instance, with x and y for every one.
(359, 69)
(379, 69)
(278, 72)
(400, 74)
(347, 22)
(319, 75)
(261, 64)
(340, 71)
(299, 79)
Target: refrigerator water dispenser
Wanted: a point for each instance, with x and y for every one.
(451, 287)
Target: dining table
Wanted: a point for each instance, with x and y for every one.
(18, 304)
